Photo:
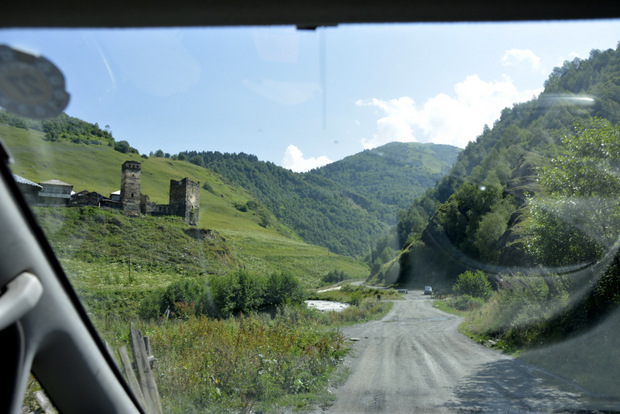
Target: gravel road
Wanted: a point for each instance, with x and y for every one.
(414, 360)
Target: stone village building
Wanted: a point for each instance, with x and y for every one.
(184, 196)
(50, 193)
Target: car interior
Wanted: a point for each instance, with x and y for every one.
(44, 330)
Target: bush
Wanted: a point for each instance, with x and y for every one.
(124, 147)
(241, 207)
(237, 292)
(465, 303)
(282, 288)
(150, 306)
(188, 296)
(208, 187)
(473, 284)
(241, 292)
(197, 160)
(334, 276)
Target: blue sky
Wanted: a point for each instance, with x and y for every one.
(301, 99)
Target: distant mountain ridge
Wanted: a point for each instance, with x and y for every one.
(346, 205)
(393, 174)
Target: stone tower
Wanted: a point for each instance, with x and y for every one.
(185, 199)
(130, 187)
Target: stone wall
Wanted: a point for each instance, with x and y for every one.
(185, 200)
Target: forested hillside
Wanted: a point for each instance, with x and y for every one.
(534, 205)
(479, 214)
(344, 206)
(320, 211)
(393, 174)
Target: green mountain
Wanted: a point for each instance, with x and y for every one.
(319, 210)
(393, 174)
(533, 207)
(478, 215)
(344, 206)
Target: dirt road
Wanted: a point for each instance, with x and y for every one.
(414, 360)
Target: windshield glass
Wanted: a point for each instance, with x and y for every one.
(454, 184)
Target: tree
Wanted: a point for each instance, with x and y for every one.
(184, 295)
(473, 284)
(122, 146)
(578, 218)
(237, 292)
(283, 288)
(197, 160)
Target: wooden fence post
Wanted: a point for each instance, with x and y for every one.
(145, 374)
(44, 403)
(131, 377)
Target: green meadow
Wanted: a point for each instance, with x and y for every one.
(248, 245)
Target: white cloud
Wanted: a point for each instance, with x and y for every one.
(444, 119)
(285, 93)
(294, 160)
(520, 57)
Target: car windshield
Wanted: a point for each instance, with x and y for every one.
(259, 200)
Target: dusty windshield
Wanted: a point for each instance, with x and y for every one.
(362, 218)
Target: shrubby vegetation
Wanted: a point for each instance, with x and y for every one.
(17, 121)
(67, 128)
(282, 356)
(124, 147)
(223, 296)
(254, 362)
(473, 284)
(577, 218)
(334, 276)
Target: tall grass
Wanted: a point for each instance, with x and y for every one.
(516, 316)
(257, 362)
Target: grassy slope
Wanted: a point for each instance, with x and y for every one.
(98, 168)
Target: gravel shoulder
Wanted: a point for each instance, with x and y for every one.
(415, 360)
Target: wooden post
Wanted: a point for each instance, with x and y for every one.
(131, 377)
(149, 352)
(147, 380)
(147, 345)
(44, 403)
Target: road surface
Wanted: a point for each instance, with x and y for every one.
(414, 360)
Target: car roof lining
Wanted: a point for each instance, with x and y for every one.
(302, 13)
